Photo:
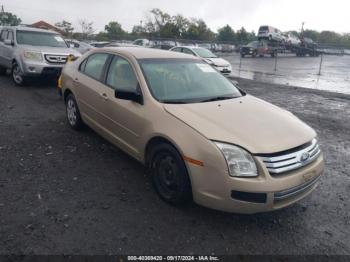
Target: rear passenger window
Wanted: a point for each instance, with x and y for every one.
(121, 75)
(177, 49)
(94, 65)
(3, 35)
(187, 51)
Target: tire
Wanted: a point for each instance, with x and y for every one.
(17, 75)
(169, 175)
(242, 55)
(254, 55)
(73, 113)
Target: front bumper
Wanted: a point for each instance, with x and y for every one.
(224, 69)
(253, 195)
(41, 69)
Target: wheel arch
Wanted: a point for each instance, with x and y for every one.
(66, 93)
(154, 141)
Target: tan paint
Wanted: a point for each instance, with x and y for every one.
(248, 122)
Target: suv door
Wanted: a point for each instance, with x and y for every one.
(125, 118)
(8, 49)
(3, 36)
(89, 87)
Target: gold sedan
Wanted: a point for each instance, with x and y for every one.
(201, 137)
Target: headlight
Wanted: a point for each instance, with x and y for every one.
(240, 163)
(34, 56)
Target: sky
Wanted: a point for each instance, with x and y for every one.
(284, 14)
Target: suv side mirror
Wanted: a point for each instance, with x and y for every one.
(9, 42)
(129, 95)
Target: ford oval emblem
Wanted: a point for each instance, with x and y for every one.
(304, 157)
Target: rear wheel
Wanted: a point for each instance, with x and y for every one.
(17, 75)
(169, 175)
(73, 113)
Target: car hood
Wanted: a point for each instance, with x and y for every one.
(217, 61)
(51, 50)
(249, 122)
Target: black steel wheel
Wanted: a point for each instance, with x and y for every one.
(169, 175)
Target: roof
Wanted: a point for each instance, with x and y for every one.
(44, 25)
(144, 53)
(31, 29)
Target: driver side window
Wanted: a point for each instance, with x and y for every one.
(121, 75)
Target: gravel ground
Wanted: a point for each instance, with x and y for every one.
(64, 192)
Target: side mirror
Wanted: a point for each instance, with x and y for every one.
(129, 95)
(9, 42)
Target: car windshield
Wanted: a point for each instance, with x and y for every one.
(186, 81)
(39, 39)
(205, 53)
(253, 44)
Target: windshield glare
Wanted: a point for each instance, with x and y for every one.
(39, 39)
(205, 53)
(186, 81)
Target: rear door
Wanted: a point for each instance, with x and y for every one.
(3, 36)
(8, 49)
(89, 87)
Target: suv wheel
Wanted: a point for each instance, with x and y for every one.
(169, 175)
(73, 114)
(17, 75)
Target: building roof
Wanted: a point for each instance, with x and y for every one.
(44, 25)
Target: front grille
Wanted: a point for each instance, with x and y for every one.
(56, 59)
(292, 159)
(295, 190)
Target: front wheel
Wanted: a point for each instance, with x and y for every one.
(17, 75)
(73, 113)
(169, 175)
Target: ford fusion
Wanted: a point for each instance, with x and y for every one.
(200, 136)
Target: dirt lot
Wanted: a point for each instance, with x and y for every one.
(63, 192)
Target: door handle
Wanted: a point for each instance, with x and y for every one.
(104, 96)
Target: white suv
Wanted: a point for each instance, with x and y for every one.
(270, 33)
(30, 52)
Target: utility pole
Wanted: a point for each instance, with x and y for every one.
(302, 29)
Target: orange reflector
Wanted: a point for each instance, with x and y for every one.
(59, 82)
(193, 161)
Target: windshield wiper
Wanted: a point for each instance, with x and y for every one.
(174, 102)
(217, 98)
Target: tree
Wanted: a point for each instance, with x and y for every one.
(7, 18)
(227, 34)
(66, 27)
(242, 35)
(86, 28)
(198, 30)
(114, 29)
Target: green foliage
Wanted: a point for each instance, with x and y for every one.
(66, 27)
(226, 34)
(114, 30)
(7, 18)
